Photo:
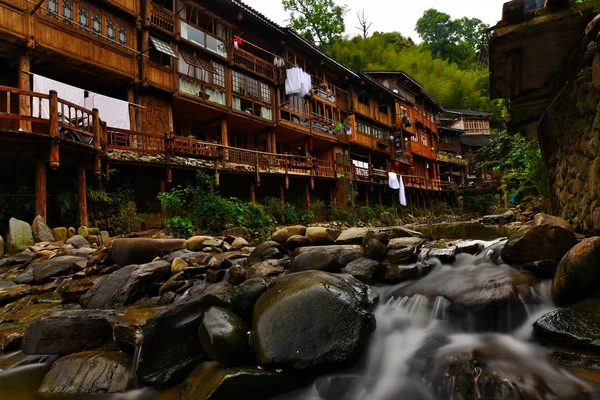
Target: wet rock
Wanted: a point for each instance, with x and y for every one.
(78, 242)
(174, 283)
(578, 274)
(170, 347)
(266, 269)
(446, 256)
(337, 387)
(246, 294)
(127, 326)
(266, 251)
(366, 270)
(405, 242)
(72, 291)
(321, 236)
(41, 232)
(403, 256)
(545, 219)
(83, 231)
(26, 277)
(343, 254)
(375, 250)
(92, 372)
(237, 274)
(347, 258)
(56, 266)
(467, 247)
(224, 336)
(178, 265)
(126, 285)
(296, 241)
(20, 236)
(60, 234)
(543, 242)
(352, 236)
(400, 273)
(11, 337)
(196, 243)
(499, 219)
(67, 332)
(282, 235)
(2, 247)
(212, 381)
(81, 252)
(239, 243)
(310, 319)
(357, 235)
(215, 275)
(543, 269)
(13, 293)
(190, 257)
(313, 260)
(21, 359)
(141, 250)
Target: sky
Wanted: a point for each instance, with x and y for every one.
(394, 15)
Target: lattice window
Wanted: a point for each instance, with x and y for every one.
(265, 93)
(53, 8)
(67, 9)
(97, 23)
(111, 30)
(219, 74)
(84, 17)
(123, 35)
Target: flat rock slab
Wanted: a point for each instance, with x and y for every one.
(56, 266)
(68, 332)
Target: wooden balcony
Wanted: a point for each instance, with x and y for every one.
(162, 18)
(417, 148)
(452, 159)
(252, 63)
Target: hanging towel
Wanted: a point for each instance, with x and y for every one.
(293, 81)
(393, 180)
(402, 193)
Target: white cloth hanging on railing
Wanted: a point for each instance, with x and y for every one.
(293, 80)
(393, 180)
(402, 193)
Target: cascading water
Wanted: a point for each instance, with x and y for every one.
(431, 341)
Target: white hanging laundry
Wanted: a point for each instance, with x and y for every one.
(402, 193)
(393, 180)
(293, 81)
(306, 85)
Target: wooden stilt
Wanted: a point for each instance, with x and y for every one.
(308, 197)
(82, 195)
(40, 188)
(252, 192)
(24, 84)
(367, 198)
(282, 193)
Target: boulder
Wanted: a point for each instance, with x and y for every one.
(366, 270)
(246, 294)
(67, 332)
(141, 250)
(266, 251)
(41, 231)
(126, 285)
(266, 269)
(224, 336)
(71, 232)
(60, 234)
(375, 250)
(88, 373)
(320, 236)
(296, 241)
(311, 319)
(578, 274)
(127, 326)
(446, 255)
(78, 241)
(20, 236)
(170, 347)
(83, 231)
(545, 219)
(499, 219)
(2, 247)
(574, 327)
(543, 269)
(237, 274)
(343, 254)
(212, 381)
(358, 235)
(400, 273)
(74, 289)
(337, 387)
(402, 243)
(55, 266)
(352, 236)
(196, 243)
(178, 265)
(190, 257)
(313, 260)
(104, 237)
(239, 243)
(282, 235)
(542, 242)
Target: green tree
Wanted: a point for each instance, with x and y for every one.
(320, 21)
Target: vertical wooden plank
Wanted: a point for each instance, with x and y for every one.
(82, 195)
(282, 193)
(24, 84)
(40, 188)
(252, 192)
(53, 130)
(97, 130)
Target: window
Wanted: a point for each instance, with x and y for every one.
(53, 7)
(122, 35)
(363, 98)
(424, 140)
(84, 17)
(415, 138)
(67, 9)
(198, 68)
(111, 30)
(97, 23)
(251, 87)
(447, 139)
(383, 109)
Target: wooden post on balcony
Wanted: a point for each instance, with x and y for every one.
(145, 43)
(40, 188)
(82, 195)
(252, 193)
(96, 129)
(273, 142)
(286, 163)
(53, 110)
(132, 109)
(24, 84)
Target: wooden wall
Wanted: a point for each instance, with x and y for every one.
(155, 115)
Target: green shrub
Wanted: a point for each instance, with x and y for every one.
(274, 208)
(290, 214)
(337, 213)
(115, 212)
(306, 217)
(319, 210)
(181, 227)
(253, 217)
(482, 204)
(366, 214)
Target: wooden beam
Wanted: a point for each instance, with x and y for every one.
(282, 193)
(40, 188)
(53, 117)
(82, 195)
(24, 84)
(132, 109)
(252, 192)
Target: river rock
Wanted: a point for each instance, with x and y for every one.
(170, 347)
(542, 242)
(196, 243)
(446, 255)
(78, 241)
(375, 250)
(578, 274)
(266, 269)
(357, 235)
(296, 241)
(404, 242)
(60, 234)
(126, 285)
(41, 232)
(55, 266)
(246, 294)
(321, 236)
(542, 269)
(337, 387)
(366, 270)
(142, 250)
(239, 232)
(400, 273)
(190, 257)
(127, 326)
(313, 260)
(239, 243)
(403, 256)
(71, 232)
(266, 251)
(310, 319)
(74, 289)
(13, 293)
(343, 254)
(20, 236)
(545, 219)
(87, 373)
(104, 237)
(83, 231)
(212, 381)
(282, 235)
(21, 359)
(178, 265)
(2, 247)
(67, 332)
(224, 336)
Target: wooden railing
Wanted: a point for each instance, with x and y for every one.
(452, 159)
(162, 18)
(73, 120)
(22, 109)
(253, 63)
(121, 139)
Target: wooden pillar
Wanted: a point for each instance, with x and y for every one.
(82, 195)
(132, 110)
(224, 137)
(97, 129)
(24, 84)
(282, 193)
(40, 188)
(252, 192)
(308, 197)
(367, 198)
(163, 210)
(53, 130)
(273, 142)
